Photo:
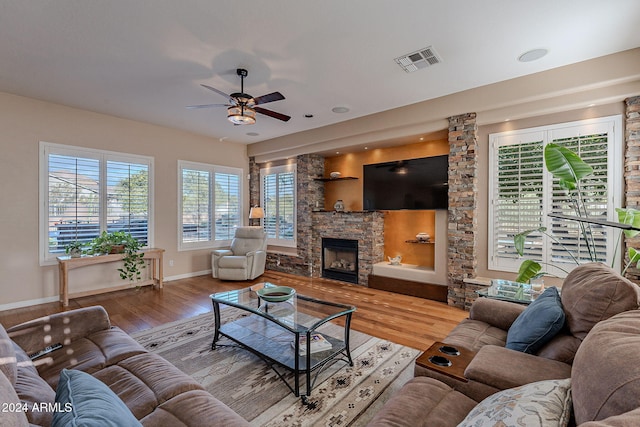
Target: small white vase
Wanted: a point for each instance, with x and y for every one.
(423, 237)
(339, 206)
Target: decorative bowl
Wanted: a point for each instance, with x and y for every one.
(335, 175)
(276, 294)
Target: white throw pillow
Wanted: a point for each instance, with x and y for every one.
(543, 403)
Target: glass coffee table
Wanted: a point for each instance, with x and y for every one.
(283, 333)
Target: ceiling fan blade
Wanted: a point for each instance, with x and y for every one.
(195, 107)
(216, 91)
(275, 96)
(273, 114)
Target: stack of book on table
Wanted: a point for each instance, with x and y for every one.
(318, 343)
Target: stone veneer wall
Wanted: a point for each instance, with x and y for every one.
(632, 172)
(365, 227)
(308, 167)
(463, 195)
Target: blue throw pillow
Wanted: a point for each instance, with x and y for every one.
(538, 323)
(86, 401)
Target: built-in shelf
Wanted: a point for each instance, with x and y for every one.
(422, 242)
(342, 178)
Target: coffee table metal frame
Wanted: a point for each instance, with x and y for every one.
(265, 315)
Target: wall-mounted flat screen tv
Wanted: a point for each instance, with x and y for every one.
(407, 184)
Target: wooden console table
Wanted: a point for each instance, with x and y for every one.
(66, 263)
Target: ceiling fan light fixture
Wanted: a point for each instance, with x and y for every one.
(241, 115)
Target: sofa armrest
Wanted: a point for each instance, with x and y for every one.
(500, 314)
(503, 368)
(62, 328)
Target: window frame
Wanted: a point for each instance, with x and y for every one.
(276, 170)
(103, 156)
(549, 133)
(212, 170)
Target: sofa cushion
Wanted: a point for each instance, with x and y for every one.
(538, 323)
(424, 402)
(474, 334)
(7, 356)
(145, 381)
(90, 354)
(233, 262)
(13, 414)
(543, 403)
(86, 401)
(606, 369)
(34, 392)
(594, 292)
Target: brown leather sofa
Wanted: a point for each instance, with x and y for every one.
(591, 294)
(156, 392)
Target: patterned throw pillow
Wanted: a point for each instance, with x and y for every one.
(543, 403)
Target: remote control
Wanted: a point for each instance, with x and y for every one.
(45, 350)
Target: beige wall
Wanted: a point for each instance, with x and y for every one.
(24, 122)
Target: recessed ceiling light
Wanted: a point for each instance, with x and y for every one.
(308, 116)
(532, 55)
(422, 138)
(252, 134)
(340, 110)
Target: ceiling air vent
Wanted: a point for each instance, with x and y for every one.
(419, 59)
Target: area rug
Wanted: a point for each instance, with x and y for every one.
(342, 395)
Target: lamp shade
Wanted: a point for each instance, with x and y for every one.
(256, 212)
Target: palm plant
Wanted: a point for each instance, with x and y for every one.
(570, 169)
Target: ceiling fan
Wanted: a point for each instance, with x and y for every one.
(242, 107)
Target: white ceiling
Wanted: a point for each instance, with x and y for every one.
(145, 59)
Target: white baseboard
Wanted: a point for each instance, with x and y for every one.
(187, 275)
(20, 304)
(28, 303)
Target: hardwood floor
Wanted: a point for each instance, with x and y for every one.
(403, 319)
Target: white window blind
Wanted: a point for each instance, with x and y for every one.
(279, 203)
(227, 205)
(86, 191)
(210, 204)
(522, 193)
(196, 206)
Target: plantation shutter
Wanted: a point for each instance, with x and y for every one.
(591, 144)
(279, 203)
(523, 193)
(518, 196)
(227, 205)
(196, 206)
(73, 200)
(128, 199)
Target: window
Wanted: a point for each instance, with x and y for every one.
(210, 204)
(522, 193)
(86, 191)
(279, 203)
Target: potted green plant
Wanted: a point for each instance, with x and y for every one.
(75, 249)
(570, 169)
(125, 243)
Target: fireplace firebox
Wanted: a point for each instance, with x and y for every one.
(340, 259)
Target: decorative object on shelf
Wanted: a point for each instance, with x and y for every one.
(423, 237)
(339, 206)
(256, 212)
(335, 175)
(395, 260)
(276, 294)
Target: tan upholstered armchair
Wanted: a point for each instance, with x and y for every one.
(246, 258)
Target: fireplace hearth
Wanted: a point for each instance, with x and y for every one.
(340, 259)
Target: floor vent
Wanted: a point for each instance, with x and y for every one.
(419, 59)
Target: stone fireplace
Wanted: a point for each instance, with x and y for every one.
(364, 230)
